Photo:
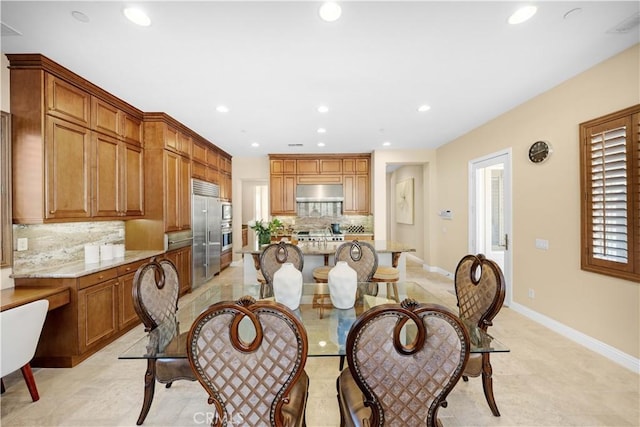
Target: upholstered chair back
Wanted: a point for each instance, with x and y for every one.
(361, 256)
(276, 254)
(156, 289)
(405, 359)
(250, 357)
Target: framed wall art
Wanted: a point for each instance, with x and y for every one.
(404, 201)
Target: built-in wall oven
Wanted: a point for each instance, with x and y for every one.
(227, 236)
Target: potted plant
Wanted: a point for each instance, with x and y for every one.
(264, 229)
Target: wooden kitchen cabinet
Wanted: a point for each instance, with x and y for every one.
(100, 309)
(307, 166)
(67, 182)
(118, 178)
(177, 192)
(357, 199)
(282, 166)
(97, 314)
(282, 189)
(66, 101)
(181, 259)
(61, 124)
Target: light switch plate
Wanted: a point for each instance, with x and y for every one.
(542, 244)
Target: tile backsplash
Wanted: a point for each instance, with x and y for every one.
(54, 244)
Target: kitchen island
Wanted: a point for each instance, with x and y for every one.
(317, 254)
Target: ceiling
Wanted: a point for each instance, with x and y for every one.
(273, 63)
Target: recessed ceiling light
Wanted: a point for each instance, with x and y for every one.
(137, 16)
(386, 143)
(523, 14)
(222, 109)
(323, 109)
(80, 16)
(330, 11)
(320, 144)
(255, 144)
(322, 130)
(424, 108)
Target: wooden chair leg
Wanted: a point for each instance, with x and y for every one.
(149, 389)
(342, 359)
(487, 384)
(27, 373)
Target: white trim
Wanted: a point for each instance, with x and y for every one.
(612, 353)
(438, 270)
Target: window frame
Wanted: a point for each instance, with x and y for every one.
(630, 270)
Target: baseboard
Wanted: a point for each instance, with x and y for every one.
(438, 270)
(612, 353)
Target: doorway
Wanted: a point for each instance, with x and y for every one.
(490, 212)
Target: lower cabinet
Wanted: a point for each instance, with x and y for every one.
(100, 310)
(181, 258)
(225, 259)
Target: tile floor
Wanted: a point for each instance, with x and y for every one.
(546, 380)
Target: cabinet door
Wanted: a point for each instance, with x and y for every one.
(127, 315)
(331, 166)
(67, 170)
(107, 185)
(67, 102)
(171, 191)
(185, 270)
(97, 313)
(105, 118)
(356, 194)
(283, 194)
(171, 138)
(133, 180)
(308, 166)
(184, 183)
(131, 129)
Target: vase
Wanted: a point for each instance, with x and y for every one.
(287, 285)
(264, 238)
(343, 284)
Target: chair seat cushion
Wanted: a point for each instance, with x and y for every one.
(351, 400)
(386, 274)
(170, 370)
(293, 412)
(321, 274)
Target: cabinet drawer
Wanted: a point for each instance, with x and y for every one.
(131, 267)
(100, 276)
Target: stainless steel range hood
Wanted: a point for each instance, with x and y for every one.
(319, 193)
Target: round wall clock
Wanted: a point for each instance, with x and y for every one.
(539, 151)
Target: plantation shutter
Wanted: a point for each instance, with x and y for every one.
(611, 199)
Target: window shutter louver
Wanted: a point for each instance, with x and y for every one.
(610, 153)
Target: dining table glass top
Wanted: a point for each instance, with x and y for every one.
(327, 327)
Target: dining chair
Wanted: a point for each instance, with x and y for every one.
(361, 256)
(480, 290)
(21, 329)
(249, 356)
(156, 288)
(390, 381)
(272, 258)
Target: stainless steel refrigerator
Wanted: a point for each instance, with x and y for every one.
(205, 222)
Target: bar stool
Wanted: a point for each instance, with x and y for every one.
(390, 276)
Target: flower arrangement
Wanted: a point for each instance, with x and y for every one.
(265, 228)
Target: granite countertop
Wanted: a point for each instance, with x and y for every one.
(381, 246)
(79, 268)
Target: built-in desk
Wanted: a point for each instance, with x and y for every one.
(15, 297)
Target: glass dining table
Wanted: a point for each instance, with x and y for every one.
(327, 327)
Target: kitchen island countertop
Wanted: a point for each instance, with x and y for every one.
(318, 248)
(79, 268)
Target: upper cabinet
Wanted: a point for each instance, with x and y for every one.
(77, 150)
(288, 171)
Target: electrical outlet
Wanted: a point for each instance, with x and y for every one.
(23, 244)
(532, 293)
